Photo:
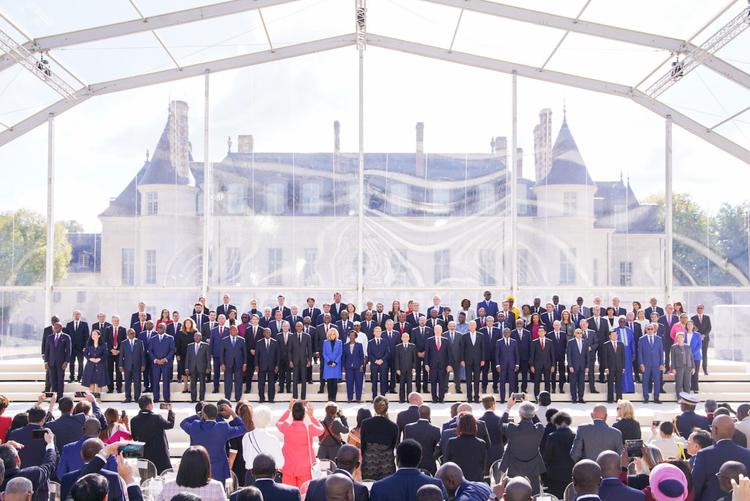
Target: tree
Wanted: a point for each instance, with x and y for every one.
(731, 224)
(23, 244)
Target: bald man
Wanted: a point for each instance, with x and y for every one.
(429, 492)
(731, 470)
(612, 488)
(347, 461)
(517, 489)
(592, 439)
(708, 461)
(587, 478)
(339, 487)
(460, 489)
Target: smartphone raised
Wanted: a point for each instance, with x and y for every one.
(80, 394)
(132, 450)
(518, 397)
(635, 448)
(164, 406)
(38, 433)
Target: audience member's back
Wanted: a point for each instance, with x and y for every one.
(404, 483)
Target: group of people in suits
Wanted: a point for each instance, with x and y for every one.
(498, 343)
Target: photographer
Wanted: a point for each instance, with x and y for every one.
(334, 425)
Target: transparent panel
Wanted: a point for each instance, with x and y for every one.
(48, 17)
(735, 52)
(305, 20)
(416, 21)
(21, 324)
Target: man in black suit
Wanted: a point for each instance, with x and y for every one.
(78, 330)
(419, 336)
(438, 363)
(454, 353)
(542, 360)
(492, 335)
(494, 425)
(101, 324)
(577, 353)
(411, 413)
(593, 346)
(708, 461)
(560, 343)
(233, 363)
(68, 427)
(347, 461)
(132, 364)
(225, 307)
(253, 334)
(404, 360)
(472, 359)
(135, 318)
(523, 338)
(637, 333)
(619, 310)
(311, 311)
(264, 470)
(614, 366)
(285, 311)
(293, 317)
(151, 428)
(57, 354)
(197, 367)
(45, 334)
(285, 372)
(39, 474)
(653, 308)
(703, 326)
(32, 451)
(345, 324)
(300, 358)
(199, 317)
(601, 327)
(428, 436)
(267, 363)
(114, 335)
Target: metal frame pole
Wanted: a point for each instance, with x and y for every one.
(668, 208)
(513, 191)
(360, 9)
(207, 193)
(49, 262)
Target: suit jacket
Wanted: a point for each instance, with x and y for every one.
(284, 348)
(506, 353)
(353, 361)
(200, 363)
(272, 490)
(150, 428)
(68, 428)
(293, 319)
(32, 453)
(56, 354)
(78, 337)
(612, 489)
(300, 352)
(702, 325)
(614, 359)
(522, 455)
(594, 438)
(494, 425)
(407, 416)
(602, 332)
(438, 360)
(344, 326)
(449, 431)
(472, 352)
(267, 358)
(490, 307)
(316, 490)
(285, 312)
(71, 460)
(689, 420)
(403, 485)
(233, 357)
(405, 358)
(650, 310)
(428, 436)
(556, 454)
(214, 435)
(651, 354)
(378, 351)
(96, 465)
(320, 336)
(134, 319)
(419, 336)
(204, 319)
(38, 475)
(491, 337)
(132, 357)
(216, 338)
(548, 319)
(110, 335)
(578, 360)
(560, 343)
(45, 334)
(456, 347)
(313, 313)
(542, 359)
(591, 338)
(524, 343)
(707, 463)
(224, 309)
(470, 453)
(164, 348)
(173, 329)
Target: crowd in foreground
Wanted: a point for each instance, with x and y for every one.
(511, 451)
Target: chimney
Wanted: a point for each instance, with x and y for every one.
(336, 148)
(179, 144)
(245, 143)
(543, 144)
(420, 164)
(519, 162)
(500, 146)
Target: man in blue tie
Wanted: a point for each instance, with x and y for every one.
(651, 362)
(508, 360)
(161, 348)
(233, 363)
(57, 352)
(378, 353)
(577, 352)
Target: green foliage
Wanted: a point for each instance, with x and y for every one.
(23, 244)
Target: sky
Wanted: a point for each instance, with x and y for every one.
(290, 105)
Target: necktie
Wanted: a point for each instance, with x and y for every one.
(300, 338)
(507, 343)
(57, 338)
(437, 342)
(196, 348)
(377, 341)
(132, 345)
(651, 340)
(614, 345)
(75, 326)
(579, 346)
(268, 343)
(541, 342)
(114, 336)
(351, 349)
(233, 339)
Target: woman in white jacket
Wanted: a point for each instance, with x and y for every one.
(259, 440)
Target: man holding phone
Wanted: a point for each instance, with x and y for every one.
(39, 475)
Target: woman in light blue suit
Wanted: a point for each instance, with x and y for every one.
(332, 359)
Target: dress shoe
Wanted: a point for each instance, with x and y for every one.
(126, 401)
(581, 401)
(320, 390)
(657, 401)
(594, 391)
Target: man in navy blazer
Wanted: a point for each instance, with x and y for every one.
(78, 330)
(438, 362)
(68, 427)
(560, 343)
(32, 453)
(264, 469)
(39, 474)
(161, 348)
(653, 308)
(212, 434)
(490, 306)
(353, 363)
(577, 352)
(492, 334)
(218, 333)
(507, 360)
(378, 354)
(651, 361)
(267, 363)
(523, 338)
(233, 363)
(98, 459)
(708, 461)
(225, 307)
(132, 364)
(57, 353)
(285, 311)
(114, 335)
(347, 461)
(428, 436)
(311, 311)
(404, 483)
(71, 456)
(612, 488)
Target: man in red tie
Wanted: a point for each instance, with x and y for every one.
(542, 360)
(438, 363)
(614, 366)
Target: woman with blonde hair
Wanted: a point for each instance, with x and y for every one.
(629, 427)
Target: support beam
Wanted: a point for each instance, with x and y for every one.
(143, 80)
(514, 190)
(591, 84)
(597, 30)
(49, 255)
(360, 12)
(142, 25)
(208, 196)
(668, 210)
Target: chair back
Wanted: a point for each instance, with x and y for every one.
(54, 491)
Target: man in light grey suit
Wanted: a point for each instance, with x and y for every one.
(591, 439)
(197, 366)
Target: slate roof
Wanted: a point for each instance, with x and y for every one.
(568, 166)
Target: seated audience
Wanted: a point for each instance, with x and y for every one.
(404, 483)
(629, 427)
(458, 487)
(466, 450)
(18, 489)
(592, 439)
(264, 471)
(347, 461)
(39, 474)
(709, 460)
(194, 477)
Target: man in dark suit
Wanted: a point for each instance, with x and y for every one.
(560, 342)
(688, 420)
(93, 453)
(135, 318)
(132, 363)
(406, 481)
(577, 353)
(32, 453)
(593, 346)
(57, 354)
(280, 307)
(522, 456)
(344, 324)
(68, 427)
(45, 335)
(523, 338)
(284, 376)
(392, 337)
(653, 308)
(703, 326)
(264, 470)
(419, 336)
(353, 363)
(438, 363)
(197, 367)
(612, 488)
(651, 362)
(101, 324)
(151, 428)
(225, 307)
(472, 359)
(667, 321)
(253, 334)
(542, 360)
(114, 335)
(492, 335)
(321, 334)
(39, 474)
(455, 347)
(635, 328)
(145, 338)
(405, 361)
(267, 362)
(233, 364)
(614, 366)
(347, 461)
(293, 317)
(300, 358)
(548, 317)
(311, 311)
(593, 438)
(494, 425)
(78, 330)
(507, 362)
(428, 436)
(708, 461)
(199, 317)
(490, 306)
(378, 354)
(368, 324)
(71, 458)
(601, 327)
(411, 413)
(619, 310)
(215, 339)
(161, 349)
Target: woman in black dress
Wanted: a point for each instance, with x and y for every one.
(466, 450)
(557, 455)
(626, 422)
(379, 436)
(95, 372)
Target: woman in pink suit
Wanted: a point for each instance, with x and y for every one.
(298, 449)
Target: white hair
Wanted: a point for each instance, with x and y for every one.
(19, 485)
(527, 410)
(262, 416)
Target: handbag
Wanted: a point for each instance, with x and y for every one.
(327, 432)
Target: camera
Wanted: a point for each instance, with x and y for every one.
(517, 397)
(635, 448)
(132, 450)
(38, 433)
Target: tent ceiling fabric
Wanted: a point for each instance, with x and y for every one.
(52, 44)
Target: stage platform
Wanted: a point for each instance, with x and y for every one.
(22, 380)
